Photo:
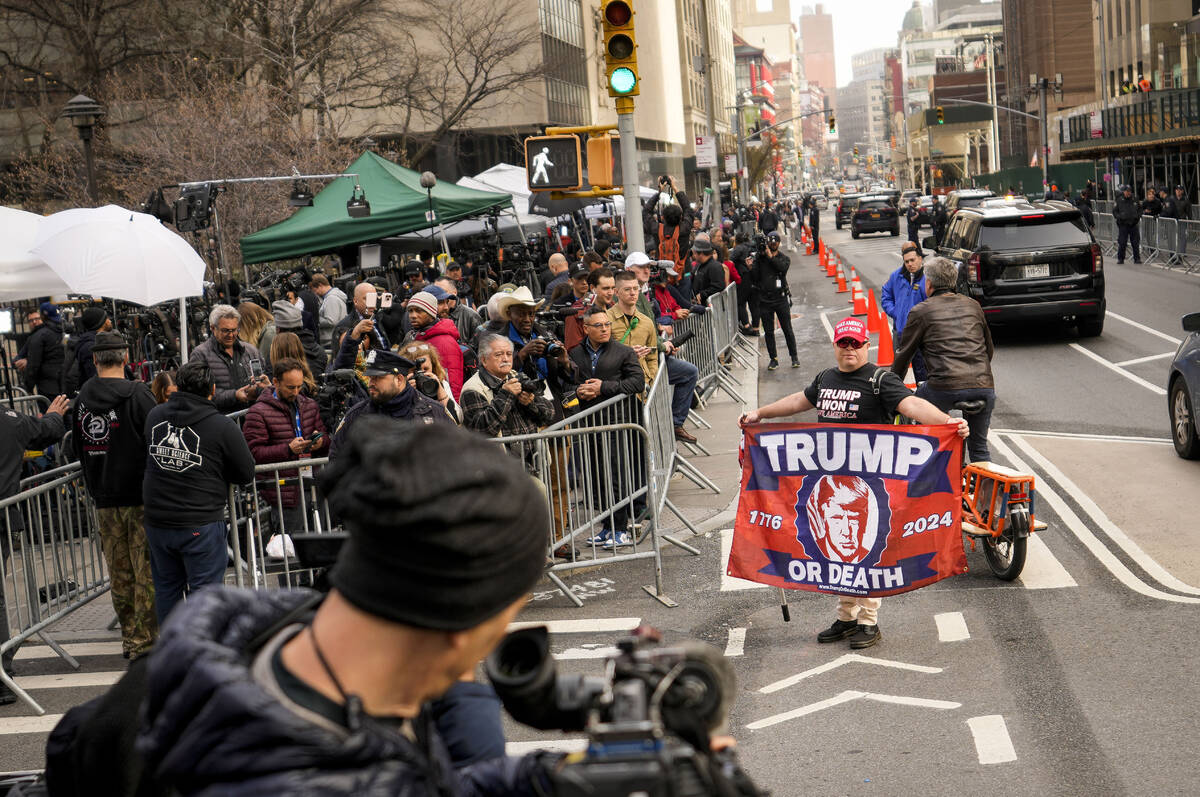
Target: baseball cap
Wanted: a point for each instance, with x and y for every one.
(669, 267)
(438, 292)
(577, 271)
(637, 259)
(850, 328)
(412, 267)
(381, 363)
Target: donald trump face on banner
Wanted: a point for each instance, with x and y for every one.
(843, 517)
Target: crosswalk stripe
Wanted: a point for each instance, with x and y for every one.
(74, 680)
(553, 745)
(28, 652)
(1042, 570)
(597, 625)
(15, 725)
(728, 582)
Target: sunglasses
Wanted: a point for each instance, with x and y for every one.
(849, 343)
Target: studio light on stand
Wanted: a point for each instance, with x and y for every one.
(301, 196)
(357, 206)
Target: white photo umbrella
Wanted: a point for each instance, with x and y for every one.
(23, 275)
(119, 254)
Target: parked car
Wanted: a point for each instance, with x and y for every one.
(874, 213)
(965, 198)
(925, 206)
(1028, 260)
(1183, 390)
(845, 209)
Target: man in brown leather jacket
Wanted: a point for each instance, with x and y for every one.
(952, 335)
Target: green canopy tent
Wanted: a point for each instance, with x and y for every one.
(398, 205)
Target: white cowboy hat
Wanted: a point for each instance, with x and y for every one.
(521, 295)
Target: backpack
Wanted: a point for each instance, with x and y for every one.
(668, 247)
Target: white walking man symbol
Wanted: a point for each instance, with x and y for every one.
(540, 162)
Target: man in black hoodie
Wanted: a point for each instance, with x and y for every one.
(110, 444)
(194, 454)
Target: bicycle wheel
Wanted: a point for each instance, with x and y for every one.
(1006, 554)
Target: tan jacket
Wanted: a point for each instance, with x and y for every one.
(642, 334)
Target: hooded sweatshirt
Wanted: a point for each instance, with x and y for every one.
(194, 454)
(443, 336)
(109, 439)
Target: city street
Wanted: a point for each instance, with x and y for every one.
(1066, 681)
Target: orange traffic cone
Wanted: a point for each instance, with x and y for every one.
(872, 312)
(841, 278)
(860, 305)
(830, 268)
(823, 256)
(886, 355)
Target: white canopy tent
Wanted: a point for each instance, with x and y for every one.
(24, 275)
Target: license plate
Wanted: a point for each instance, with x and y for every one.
(1036, 270)
(874, 215)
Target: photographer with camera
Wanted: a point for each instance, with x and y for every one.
(440, 333)
(742, 256)
(366, 306)
(709, 275)
(429, 377)
(390, 393)
(285, 425)
(537, 354)
(499, 401)
(774, 299)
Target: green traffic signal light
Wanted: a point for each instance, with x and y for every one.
(941, 116)
(622, 80)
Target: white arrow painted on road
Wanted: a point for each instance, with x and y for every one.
(848, 696)
(838, 662)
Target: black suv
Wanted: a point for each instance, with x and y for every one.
(845, 209)
(965, 198)
(874, 213)
(1028, 260)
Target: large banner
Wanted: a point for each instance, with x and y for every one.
(849, 509)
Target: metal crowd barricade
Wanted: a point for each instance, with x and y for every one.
(1106, 233)
(51, 562)
(1149, 245)
(282, 500)
(1162, 239)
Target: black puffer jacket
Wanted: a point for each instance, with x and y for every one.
(45, 355)
(213, 724)
(1126, 211)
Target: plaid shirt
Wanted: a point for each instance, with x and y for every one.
(503, 414)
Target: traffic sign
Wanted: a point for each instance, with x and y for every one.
(706, 152)
(553, 163)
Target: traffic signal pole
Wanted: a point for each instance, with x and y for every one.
(634, 236)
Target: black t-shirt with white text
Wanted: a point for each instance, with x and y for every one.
(850, 398)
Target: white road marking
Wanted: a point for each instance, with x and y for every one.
(42, 724)
(1144, 328)
(1042, 570)
(596, 625)
(553, 745)
(1118, 369)
(846, 697)
(728, 582)
(1107, 438)
(1131, 548)
(72, 680)
(992, 742)
(74, 648)
(951, 626)
(828, 326)
(1085, 536)
(846, 658)
(586, 652)
(736, 645)
(1151, 358)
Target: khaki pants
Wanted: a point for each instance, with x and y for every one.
(864, 611)
(123, 539)
(560, 497)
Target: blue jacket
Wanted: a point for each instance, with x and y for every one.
(900, 294)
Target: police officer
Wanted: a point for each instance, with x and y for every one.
(1127, 213)
(941, 220)
(391, 392)
(913, 217)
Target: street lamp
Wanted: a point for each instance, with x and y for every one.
(428, 181)
(84, 113)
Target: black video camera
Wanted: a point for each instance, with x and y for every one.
(426, 384)
(648, 719)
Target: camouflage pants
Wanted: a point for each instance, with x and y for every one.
(128, 556)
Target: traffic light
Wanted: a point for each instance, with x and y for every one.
(941, 116)
(856, 152)
(620, 48)
(832, 124)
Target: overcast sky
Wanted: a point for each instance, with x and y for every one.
(861, 25)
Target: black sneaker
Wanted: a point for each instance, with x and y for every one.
(795, 363)
(865, 637)
(839, 630)
(6, 697)
(771, 366)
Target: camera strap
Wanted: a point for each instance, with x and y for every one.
(354, 709)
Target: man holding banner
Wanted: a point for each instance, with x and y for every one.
(858, 512)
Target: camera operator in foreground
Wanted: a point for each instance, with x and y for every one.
(391, 394)
(364, 692)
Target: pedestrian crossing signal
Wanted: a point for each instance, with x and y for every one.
(552, 163)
